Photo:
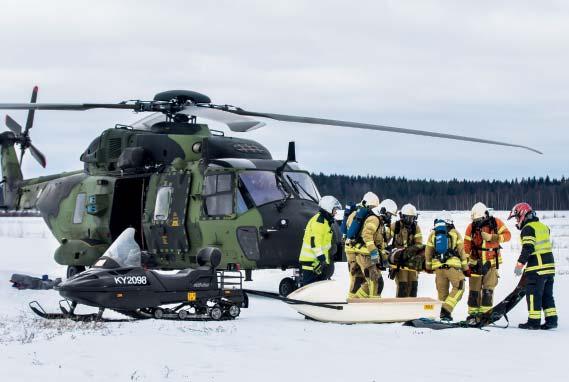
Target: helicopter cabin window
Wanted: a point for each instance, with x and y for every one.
(80, 207)
(218, 195)
(262, 186)
(303, 185)
(163, 200)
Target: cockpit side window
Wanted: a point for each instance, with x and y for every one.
(261, 186)
(163, 200)
(218, 195)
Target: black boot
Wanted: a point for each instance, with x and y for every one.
(529, 325)
(445, 315)
(549, 325)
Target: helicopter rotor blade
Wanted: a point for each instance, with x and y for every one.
(38, 156)
(31, 112)
(235, 122)
(13, 125)
(368, 126)
(65, 106)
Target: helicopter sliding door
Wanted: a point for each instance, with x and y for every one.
(165, 214)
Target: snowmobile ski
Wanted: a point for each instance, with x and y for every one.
(40, 311)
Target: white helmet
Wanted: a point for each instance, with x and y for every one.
(409, 210)
(387, 206)
(370, 200)
(328, 203)
(444, 216)
(479, 211)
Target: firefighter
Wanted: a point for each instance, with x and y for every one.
(537, 257)
(482, 244)
(406, 236)
(318, 235)
(444, 254)
(369, 201)
(369, 246)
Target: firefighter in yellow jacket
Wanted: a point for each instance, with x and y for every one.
(318, 235)
(444, 254)
(369, 244)
(406, 234)
(357, 279)
(539, 262)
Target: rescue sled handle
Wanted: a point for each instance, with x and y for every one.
(237, 119)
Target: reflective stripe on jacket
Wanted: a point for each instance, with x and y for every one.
(457, 260)
(478, 248)
(317, 241)
(536, 242)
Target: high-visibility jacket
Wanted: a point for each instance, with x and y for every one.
(477, 248)
(456, 260)
(404, 237)
(537, 251)
(317, 241)
(374, 235)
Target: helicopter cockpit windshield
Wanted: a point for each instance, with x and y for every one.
(303, 185)
(263, 186)
(124, 251)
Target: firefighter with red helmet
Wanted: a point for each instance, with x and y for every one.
(537, 258)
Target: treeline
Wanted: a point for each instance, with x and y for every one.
(541, 193)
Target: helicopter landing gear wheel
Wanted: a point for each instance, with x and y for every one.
(183, 314)
(73, 270)
(233, 311)
(158, 313)
(216, 313)
(287, 286)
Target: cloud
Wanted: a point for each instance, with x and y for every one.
(487, 69)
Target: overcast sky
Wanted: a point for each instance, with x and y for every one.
(493, 70)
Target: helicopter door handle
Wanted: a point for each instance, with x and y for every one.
(266, 231)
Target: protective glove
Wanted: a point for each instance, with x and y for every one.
(519, 269)
(489, 236)
(321, 264)
(374, 256)
(467, 272)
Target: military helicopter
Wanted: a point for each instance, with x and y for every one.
(180, 184)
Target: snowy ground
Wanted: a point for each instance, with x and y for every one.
(269, 341)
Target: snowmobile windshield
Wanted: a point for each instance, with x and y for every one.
(124, 250)
(262, 186)
(303, 184)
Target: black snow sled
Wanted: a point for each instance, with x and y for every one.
(118, 282)
(485, 319)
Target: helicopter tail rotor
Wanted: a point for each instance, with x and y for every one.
(22, 135)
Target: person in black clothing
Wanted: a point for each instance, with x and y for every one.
(537, 258)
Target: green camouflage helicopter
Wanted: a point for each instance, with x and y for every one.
(181, 185)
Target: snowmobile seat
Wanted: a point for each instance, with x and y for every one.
(188, 279)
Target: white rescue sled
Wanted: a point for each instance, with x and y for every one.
(380, 310)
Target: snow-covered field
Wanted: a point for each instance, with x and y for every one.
(269, 341)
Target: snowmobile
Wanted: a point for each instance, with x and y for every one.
(118, 282)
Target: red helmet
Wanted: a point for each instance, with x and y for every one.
(521, 212)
